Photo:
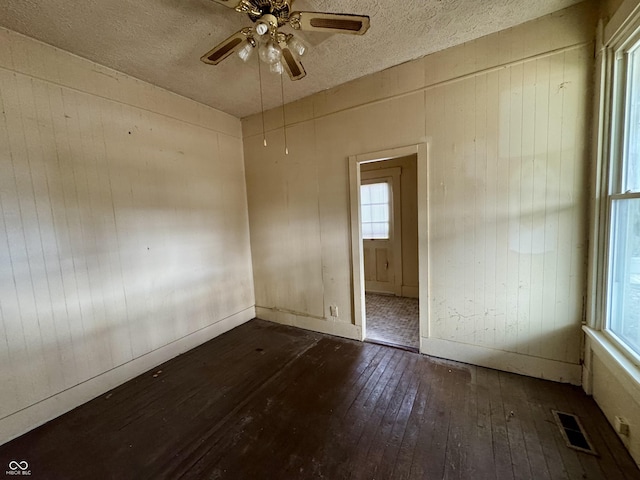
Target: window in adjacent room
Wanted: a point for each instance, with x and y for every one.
(375, 210)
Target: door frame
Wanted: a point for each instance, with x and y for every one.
(421, 150)
(393, 174)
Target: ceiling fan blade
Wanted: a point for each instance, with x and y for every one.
(329, 22)
(224, 49)
(229, 3)
(291, 63)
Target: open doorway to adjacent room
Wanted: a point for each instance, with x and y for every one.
(387, 223)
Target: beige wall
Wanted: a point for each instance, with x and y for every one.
(505, 119)
(408, 200)
(614, 382)
(608, 8)
(124, 235)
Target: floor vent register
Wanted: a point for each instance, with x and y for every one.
(573, 432)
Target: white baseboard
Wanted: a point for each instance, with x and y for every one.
(501, 360)
(35, 415)
(328, 325)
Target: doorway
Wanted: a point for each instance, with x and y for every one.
(381, 222)
(389, 245)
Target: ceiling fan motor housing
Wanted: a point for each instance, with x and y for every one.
(278, 8)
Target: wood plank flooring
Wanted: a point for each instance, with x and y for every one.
(266, 401)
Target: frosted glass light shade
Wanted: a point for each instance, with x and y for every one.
(276, 68)
(296, 46)
(246, 51)
(269, 52)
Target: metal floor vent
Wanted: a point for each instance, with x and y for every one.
(573, 433)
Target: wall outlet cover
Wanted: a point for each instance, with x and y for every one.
(622, 426)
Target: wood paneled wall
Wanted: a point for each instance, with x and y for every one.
(506, 120)
(124, 236)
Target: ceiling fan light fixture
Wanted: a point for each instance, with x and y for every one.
(266, 23)
(246, 51)
(296, 46)
(276, 68)
(278, 48)
(262, 28)
(269, 52)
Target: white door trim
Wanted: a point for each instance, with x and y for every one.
(357, 260)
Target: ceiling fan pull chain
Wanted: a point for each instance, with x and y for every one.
(264, 135)
(284, 118)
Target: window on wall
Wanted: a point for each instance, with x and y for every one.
(375, 209)
(623, 285)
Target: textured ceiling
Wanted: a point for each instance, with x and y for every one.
(161, 41)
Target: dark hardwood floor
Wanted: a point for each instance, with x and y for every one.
(266, 401)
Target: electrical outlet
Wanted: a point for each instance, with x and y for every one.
(333, 310)
(622, 426)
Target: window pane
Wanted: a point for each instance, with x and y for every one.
(624, 302)
(366, 213)
(380, 213)
(365, 194)
(631, 164)
(380, 230)
(379, 193)
(375, 210)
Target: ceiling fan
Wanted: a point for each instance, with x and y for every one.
(279, 49)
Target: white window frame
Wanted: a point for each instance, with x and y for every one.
(619, 50)
(615, 39)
